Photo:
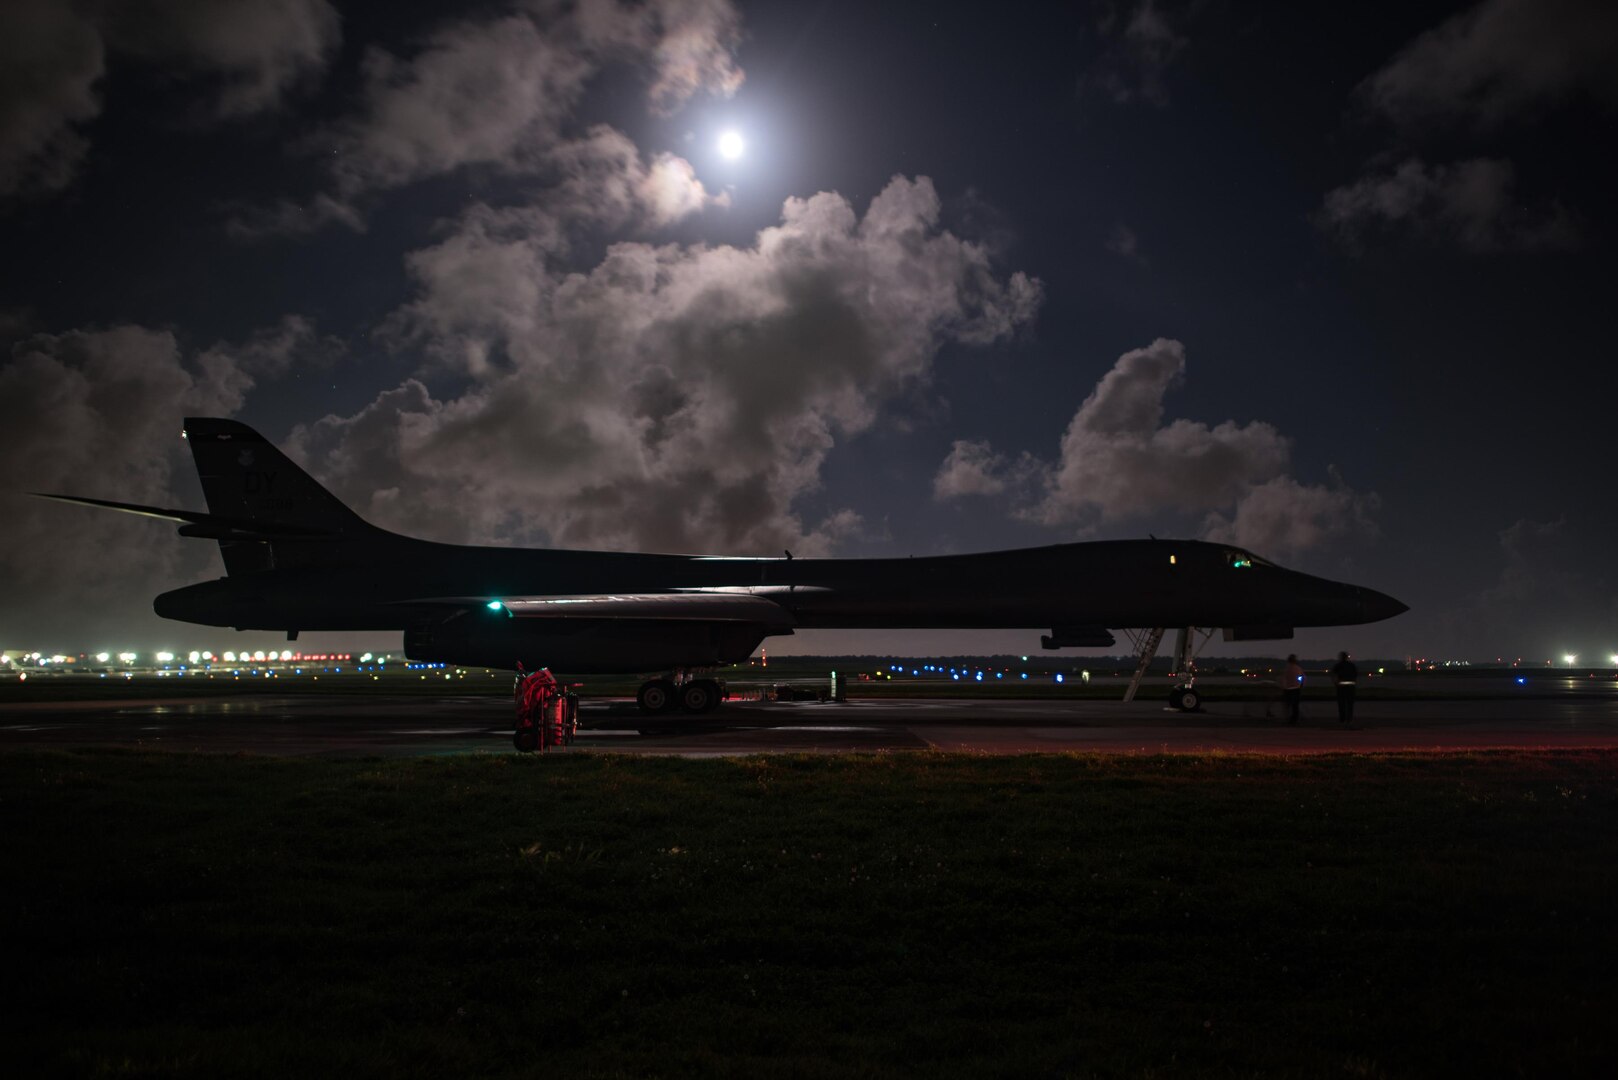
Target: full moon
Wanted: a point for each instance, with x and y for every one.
(731, 145)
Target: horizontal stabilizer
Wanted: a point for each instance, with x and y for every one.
(204, 526)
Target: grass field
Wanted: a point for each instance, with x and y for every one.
(915, 914)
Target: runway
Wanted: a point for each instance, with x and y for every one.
(347, 725)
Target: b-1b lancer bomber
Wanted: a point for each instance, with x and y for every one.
(297, 559)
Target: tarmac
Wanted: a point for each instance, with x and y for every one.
(349, 725)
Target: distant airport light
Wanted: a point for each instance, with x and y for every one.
(165, 658)
(1058, 676)
(286, 655)
(193, 656)
(102, 658)
(1570, 659)
(1613, 658)
(126, 658)
(230, 658)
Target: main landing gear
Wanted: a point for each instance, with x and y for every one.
(692, 695)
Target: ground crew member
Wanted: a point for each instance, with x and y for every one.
(1292, 687)
(1345, 675)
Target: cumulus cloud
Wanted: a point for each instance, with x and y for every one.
(1500, 60)
(1472, 204)
(1284, 515)
(1142, 45)
(972, 468)
(51, 59)
(1119, 461)
(671, 397)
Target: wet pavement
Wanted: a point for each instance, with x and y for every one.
(348, 725)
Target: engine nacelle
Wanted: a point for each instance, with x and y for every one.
(582, 646)
(1077, 637)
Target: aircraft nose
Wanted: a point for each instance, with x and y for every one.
(1375, 606)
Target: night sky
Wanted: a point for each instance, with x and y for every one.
(1333, 282)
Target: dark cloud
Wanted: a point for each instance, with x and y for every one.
(1472, 204)
(1123, 241)
(1499, 61)
(252, 53)
(1142, 43)
(51, 59)
(97, 413)
(1555, 594)
(1120, 461)
(672, 397)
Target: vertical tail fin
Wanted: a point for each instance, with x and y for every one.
(246, 478)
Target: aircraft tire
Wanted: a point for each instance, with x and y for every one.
(1185, 699)
(656, 695)
(526, 740)
(699, 696)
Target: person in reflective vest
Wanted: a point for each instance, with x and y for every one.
(1292, 687)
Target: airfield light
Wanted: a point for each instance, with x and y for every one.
(1613, 658)
(126, 658)
(286, 654)
(364, 658)
(258, 655)
(230, 658)
(1059, 676)
(165, 658)
(193, 656)
(102, 658)
(1570, 659)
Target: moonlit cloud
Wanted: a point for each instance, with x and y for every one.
(1119, 461)
(498, 91)
(671, 397)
